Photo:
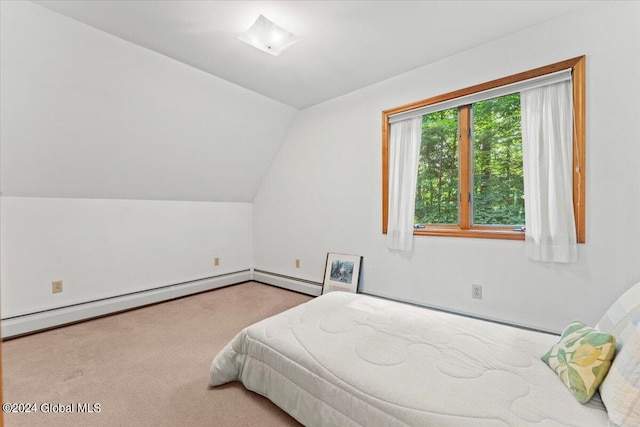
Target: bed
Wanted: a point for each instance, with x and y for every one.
(346, 359)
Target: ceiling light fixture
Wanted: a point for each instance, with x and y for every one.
(268, 37)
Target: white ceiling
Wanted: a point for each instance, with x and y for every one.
(344, 46)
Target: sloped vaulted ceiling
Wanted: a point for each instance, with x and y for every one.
(85, 114)
(344, 45)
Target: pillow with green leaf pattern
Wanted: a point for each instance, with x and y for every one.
(581, 359)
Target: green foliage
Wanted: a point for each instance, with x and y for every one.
(498, 185)
(437, 187)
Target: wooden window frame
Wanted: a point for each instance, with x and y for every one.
(465, 228)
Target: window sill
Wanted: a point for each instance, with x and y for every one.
(476, 232)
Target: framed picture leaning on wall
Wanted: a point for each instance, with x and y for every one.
(341, 273)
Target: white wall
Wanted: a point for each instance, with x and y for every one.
(106, 248)
(88, 115)
(102, 146)
(323, 192)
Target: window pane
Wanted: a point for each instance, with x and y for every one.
(437, 187)
(498, 184)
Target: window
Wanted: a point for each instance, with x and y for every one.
(470, 171)
(496, 178)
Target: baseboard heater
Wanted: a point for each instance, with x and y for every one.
(288, 282)
(29, 323)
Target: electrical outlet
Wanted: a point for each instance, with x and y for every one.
(297, 263)
(56, 287)
(476, 291)
(216, 261)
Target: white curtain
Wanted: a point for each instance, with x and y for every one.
(404, 150)
(547, 146)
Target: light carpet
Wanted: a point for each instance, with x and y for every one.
(146, 367)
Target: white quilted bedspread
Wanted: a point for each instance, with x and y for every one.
(346, 360)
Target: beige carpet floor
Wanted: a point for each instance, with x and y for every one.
(146, 367)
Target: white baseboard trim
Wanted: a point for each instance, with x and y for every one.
(287, 282)
(47, 319)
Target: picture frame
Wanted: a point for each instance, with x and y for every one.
(341, 273)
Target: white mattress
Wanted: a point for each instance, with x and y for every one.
(346, 360)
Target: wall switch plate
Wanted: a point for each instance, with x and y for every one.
(216, 261)
(297, 263)
(56, 287)
(476, 291)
